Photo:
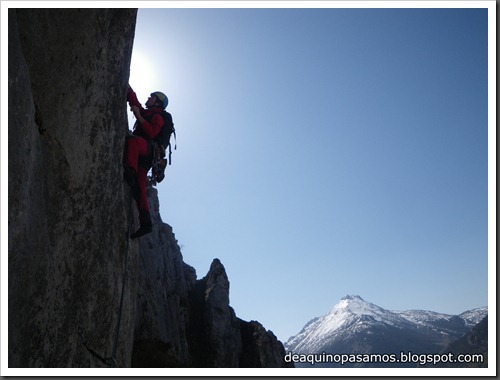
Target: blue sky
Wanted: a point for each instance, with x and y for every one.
(325, 152)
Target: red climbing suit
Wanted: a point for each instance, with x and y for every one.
(137, 151)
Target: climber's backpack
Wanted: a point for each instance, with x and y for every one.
(160, 145)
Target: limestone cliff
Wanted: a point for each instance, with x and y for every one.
(185, 322)
(69, 211)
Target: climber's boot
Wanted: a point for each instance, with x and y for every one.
(146, 225)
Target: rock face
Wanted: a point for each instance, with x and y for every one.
(68, 74)
(185, 322)
(473, 343)
(69, 210)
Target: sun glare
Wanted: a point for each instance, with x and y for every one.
(142, 75)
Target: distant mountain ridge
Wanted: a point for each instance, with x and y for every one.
(474, 342)
(356, 326)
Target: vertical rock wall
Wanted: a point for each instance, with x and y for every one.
(68, 74)
(164, 284)
(69, 210)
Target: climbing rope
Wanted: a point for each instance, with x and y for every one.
(111, 361)
(118, 322)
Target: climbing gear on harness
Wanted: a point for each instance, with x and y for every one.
(159, 163)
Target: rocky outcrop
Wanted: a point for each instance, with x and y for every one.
(214, 322)
(164, 283)
(474, 343)
(261, 348)
(185, 322)
(69, 210)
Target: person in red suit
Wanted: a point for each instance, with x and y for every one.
(139, 151)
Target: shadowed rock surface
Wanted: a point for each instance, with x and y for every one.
(68, 72)
(474, 343)
(69, 210)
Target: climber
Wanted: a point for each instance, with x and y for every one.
(139, 151)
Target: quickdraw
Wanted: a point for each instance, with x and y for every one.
(159, 163)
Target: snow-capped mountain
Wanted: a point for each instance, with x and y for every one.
(474, 316)
(351, 315)
(356, 326)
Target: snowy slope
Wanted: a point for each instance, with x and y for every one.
(474, 316)
(352, 314)
(356, 326)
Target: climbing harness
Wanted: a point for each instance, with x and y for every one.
(111, 361)
(158, 164)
